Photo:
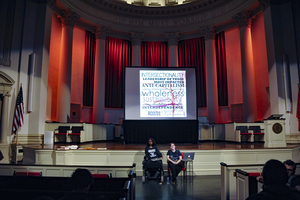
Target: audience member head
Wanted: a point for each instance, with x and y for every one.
(290, 166)
(151, 142)
(274, 173)
(82, 179)
(172, 146)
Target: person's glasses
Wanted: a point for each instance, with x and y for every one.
(290, 170)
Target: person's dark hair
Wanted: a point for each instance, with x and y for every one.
(171, 143)
(274, 173)
(150, 138)
(81, 179)
(290, 163)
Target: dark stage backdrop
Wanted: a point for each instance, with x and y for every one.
(163, 131)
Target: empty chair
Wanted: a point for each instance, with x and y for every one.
(242, 134)
(76, 134)
(257, 133)
(60, 134)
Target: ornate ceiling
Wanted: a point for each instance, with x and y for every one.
(186, 19)
(155, 3)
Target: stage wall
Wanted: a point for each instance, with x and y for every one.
(163, 131)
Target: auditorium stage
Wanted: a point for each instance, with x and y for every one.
(203, 145)
(208, 154)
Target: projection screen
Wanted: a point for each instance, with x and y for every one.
(160, 93)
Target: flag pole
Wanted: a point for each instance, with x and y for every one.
(18, 128)
(17, 137)
(18, 113)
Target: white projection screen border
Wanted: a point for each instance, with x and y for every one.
(160, 93)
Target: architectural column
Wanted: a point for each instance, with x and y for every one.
(248, 76)
(173, 48)
(136, 40)
(40, 37)
(4, 119)
(65, 67)
(99, 74)
(283, 60)
(211, 74)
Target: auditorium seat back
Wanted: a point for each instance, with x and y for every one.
(63, 129)
(77, 129)
(27, 173)
(242, 129)
(100, 175)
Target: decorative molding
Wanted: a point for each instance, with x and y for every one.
(8, 10)
(188, 6)
(172, 38)
(30, 139)
(264, 4)
(51, 3)
(137, 38)
(243, 19)
(6, 83)
(175, 2)
(156, 21)
(209, 32)
(101, 31)
(292, 139)
(68, 18)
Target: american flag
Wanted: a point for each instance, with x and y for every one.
(19, 112)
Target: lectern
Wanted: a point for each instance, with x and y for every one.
(275, 131)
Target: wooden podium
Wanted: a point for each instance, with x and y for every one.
(274, 132)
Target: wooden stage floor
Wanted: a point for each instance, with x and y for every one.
(203, 145)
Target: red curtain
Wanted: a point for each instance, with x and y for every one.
(221, 69)
(117, 57)
(154, 54)
(191, 53)
(89, 66)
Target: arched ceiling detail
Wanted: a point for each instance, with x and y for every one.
(185, 19)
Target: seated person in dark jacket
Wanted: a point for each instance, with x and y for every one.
(293, 181)
(152, 152)
(275, 178)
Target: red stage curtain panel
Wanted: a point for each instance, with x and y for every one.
(89, 67)
(154, 54)
(117, 57)
(221, 69)
(191, 53)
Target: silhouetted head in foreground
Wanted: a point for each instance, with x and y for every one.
(275, 173)
(82, 179)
